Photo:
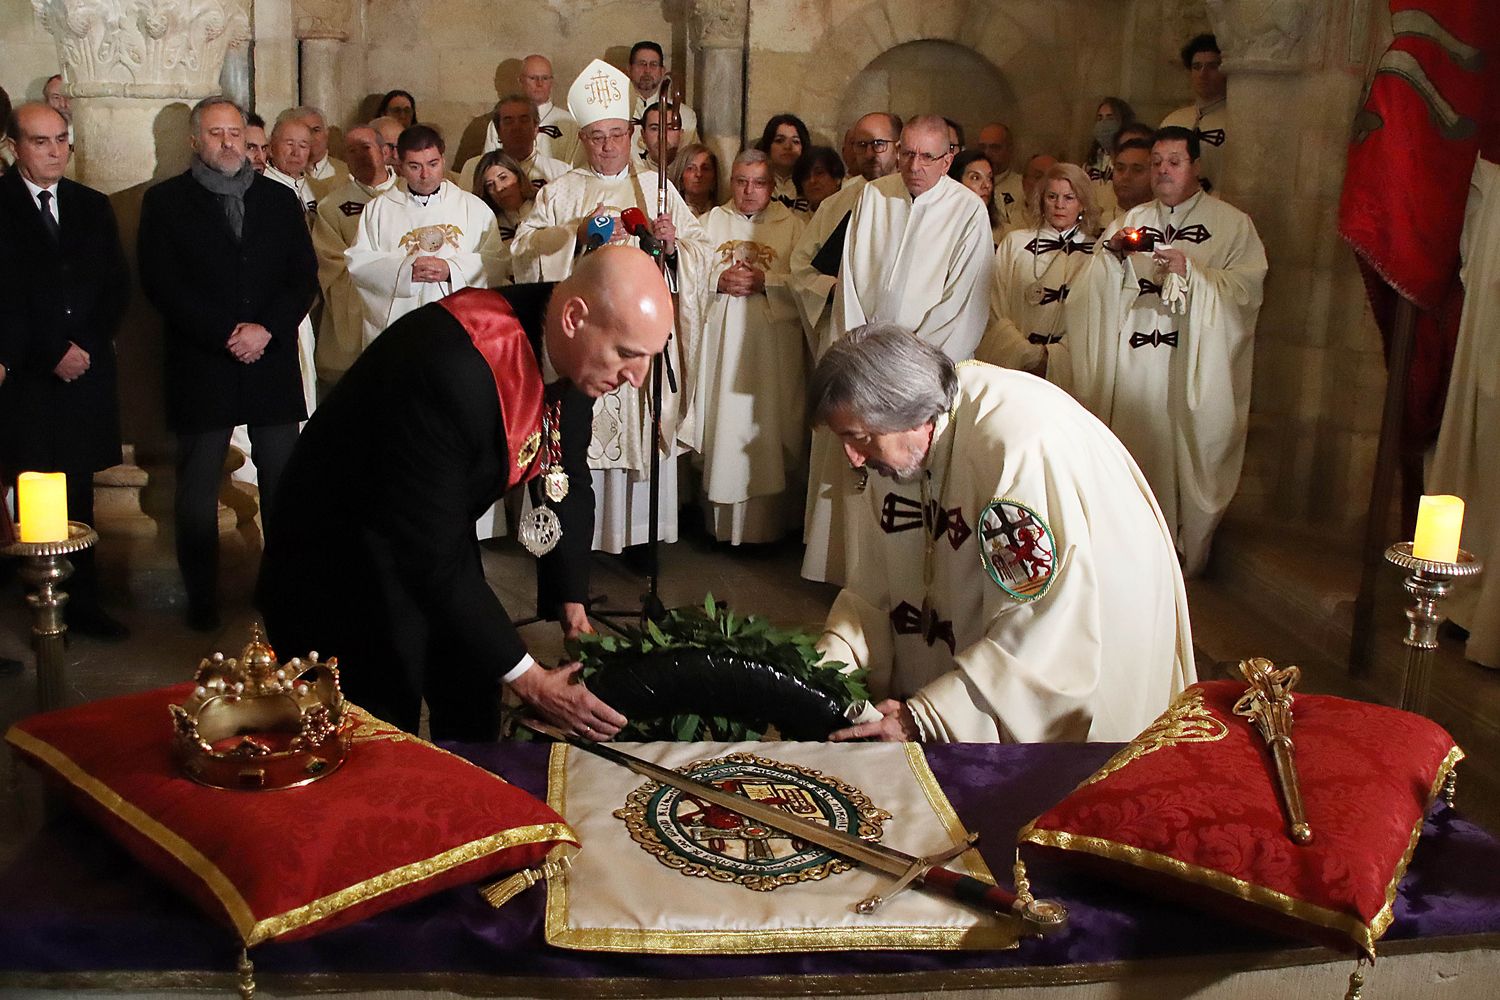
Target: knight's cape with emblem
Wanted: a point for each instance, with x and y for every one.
(1056, 609)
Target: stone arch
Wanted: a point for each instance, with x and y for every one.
(923, 76)
(1053, 59)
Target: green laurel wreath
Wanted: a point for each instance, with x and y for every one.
(714, 628)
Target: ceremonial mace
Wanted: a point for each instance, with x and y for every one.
(45, 566)
(1041, 916)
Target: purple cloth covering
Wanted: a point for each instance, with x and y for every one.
(74, 902)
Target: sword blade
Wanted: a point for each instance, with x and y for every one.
(877, 856)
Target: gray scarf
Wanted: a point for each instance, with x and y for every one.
(229, 188)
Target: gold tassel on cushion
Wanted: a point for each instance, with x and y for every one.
(1356, 981)
(503, 891)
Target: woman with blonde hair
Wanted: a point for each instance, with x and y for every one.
(1035, 266)
(694, 171)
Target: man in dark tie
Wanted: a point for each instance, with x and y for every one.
(66, 288)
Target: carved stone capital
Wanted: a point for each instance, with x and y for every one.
(1267, 36)
(143, 48)
(323, 19)
(720, 23)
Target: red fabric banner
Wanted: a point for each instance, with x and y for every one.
(1415, 140)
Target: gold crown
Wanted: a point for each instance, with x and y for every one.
(253, 723)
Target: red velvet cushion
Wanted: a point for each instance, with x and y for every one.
(1191, 809)
(399, 820)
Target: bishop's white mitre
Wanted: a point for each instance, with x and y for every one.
(600, 92)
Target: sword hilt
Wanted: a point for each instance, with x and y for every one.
(1042, 916)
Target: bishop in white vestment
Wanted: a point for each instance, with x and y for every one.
(422, 239)
(1012, 578)
(751, 380)
(1162, 342)
(546, 244)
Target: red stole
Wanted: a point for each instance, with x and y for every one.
(497, 334)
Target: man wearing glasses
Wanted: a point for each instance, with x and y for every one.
(1208, 114)
(557, 132)
(919, 252)
(814, 275)
(547, 246)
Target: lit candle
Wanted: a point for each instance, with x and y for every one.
(43, 500)
(1439, 521)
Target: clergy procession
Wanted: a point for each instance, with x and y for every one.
(910, 434)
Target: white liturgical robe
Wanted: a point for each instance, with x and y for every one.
(544, 250)
(1165, 360)
(341, 337)
(823, 515)
(924, 264)
(1209, 121)
(1055, 608)
(751, 382)
(1010, 199)
(1469, 440)
(1034, 272)
(307, 341)
(398, 227)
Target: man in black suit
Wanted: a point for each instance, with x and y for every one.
(226, 258)
(66, 288)
(372, 556)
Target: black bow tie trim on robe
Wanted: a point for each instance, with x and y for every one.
(1043, 339)
(1196, 233)
(1147, 287)
(1154, 339)
(899, 513)
(908, 619)
(1067, 244)
(1212, 136)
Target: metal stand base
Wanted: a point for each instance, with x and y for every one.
(45, 566)
(1428, 584)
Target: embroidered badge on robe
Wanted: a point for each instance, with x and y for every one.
(755, 254)
(708, 841)
(1017, 549)
(430, 239)
(529, 448)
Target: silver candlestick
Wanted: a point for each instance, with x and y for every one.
(1429, 582)
(45, 565)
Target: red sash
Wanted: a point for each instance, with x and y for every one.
(497, 334)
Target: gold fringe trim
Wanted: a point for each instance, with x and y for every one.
(250, 930)
(499, 893)
(1364, 936)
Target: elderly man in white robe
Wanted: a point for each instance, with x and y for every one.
(998, 145)
(814, 275)
(335, 226)
(751, 384)
(324, 172)
(1035, 268)
(1013, 579)
(544, 249)
(288, 155)
(1161, 327)
(421, 240)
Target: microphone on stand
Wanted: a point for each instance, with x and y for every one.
(601, 228)
(636, 224)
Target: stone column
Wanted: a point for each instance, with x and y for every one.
(126, 64)
(322, 28)
(1319, 377)
(719, 36)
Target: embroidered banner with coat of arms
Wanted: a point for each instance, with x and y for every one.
(661, 872)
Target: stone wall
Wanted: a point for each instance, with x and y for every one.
(28, 55)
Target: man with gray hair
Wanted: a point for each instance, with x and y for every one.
(1013, 579)
(324, 172)
(226, 259)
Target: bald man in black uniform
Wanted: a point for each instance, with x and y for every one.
(372, 557)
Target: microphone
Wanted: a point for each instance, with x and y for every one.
(635, 223)
(601, 228)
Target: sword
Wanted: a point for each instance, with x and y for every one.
(1041, 916)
